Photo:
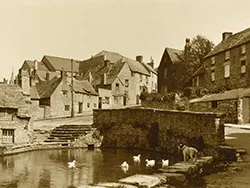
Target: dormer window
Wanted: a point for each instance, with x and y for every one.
(227, 55)
(243, 49)
(212, 60)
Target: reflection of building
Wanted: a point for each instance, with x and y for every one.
(15, 120)
(119, 80)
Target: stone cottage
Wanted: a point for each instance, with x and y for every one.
(15, 118)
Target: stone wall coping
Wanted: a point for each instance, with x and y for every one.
(166, 111)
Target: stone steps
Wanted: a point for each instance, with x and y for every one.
(177, 175)
(65, 133)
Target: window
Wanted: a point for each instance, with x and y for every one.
(197, 81)
(226, 70)
(227, 55)
(146, 79)
(165, 73)
(116, 99)
(65, 93)
(66, 107)
(7, 136)
(106, 100)
(94, 105)
(212, 75)
(243, 49)
(243, 67)
(117, 87)
(140, 77)
(214, 104)
(88, 105)
(212, 60)
(126, 83)
(7, 113)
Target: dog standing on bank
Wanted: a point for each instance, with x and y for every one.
(188, 152)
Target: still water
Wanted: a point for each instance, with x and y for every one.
(49, 169)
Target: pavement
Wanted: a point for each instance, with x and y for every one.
(49, 124)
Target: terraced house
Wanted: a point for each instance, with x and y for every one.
(118, 79)
(50, 85)
(227, 72)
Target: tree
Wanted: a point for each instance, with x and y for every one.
(198, 48)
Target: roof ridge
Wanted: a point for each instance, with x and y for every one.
(60, 57)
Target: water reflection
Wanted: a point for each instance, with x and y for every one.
(49, 168)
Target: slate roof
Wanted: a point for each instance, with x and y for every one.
(45, 89)
(227, 95)
(95, 65)
(31, 65)
(83, 86)
(42, 74)
(59, 63)
(174, 54)
(232, 41)
(12, 96)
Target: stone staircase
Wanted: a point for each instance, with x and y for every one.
(68, 133)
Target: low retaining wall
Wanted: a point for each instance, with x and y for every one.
(160, 130)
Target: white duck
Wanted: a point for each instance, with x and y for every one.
(137, 159)
(165, 163)
(124, 166)
(150, 163)
(72, 164)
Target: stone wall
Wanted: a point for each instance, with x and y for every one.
(23, 130)
(160, 130)
(228, 107)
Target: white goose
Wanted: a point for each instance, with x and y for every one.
(165, 163)
(150, 163)
(137, 159)
(72, 164)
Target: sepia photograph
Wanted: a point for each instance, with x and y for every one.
(124, 94)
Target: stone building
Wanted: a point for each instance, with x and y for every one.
(15, 118)
(166, 69)
(119, 80)
(226, 68)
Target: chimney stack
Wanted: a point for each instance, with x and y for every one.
(36, 64)
(151, 62)
(139, 58)
(226, 35)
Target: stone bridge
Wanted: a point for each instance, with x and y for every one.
(160, 130)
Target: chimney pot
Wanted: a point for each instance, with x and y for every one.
(36, 64)
(139, 58)
(226, 35)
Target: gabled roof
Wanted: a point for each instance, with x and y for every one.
(83, 86)
(12, 96)
(31, 65)
(46, 88)
(136, 66)
(111, 56)
(232, 41)
(227, 95)
(42, 74)
(149, 68)
(174, 54)
(60, 64)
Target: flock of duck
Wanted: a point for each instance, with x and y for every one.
(149, 163)
(125, 165)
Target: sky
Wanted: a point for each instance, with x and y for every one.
(78, 29)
